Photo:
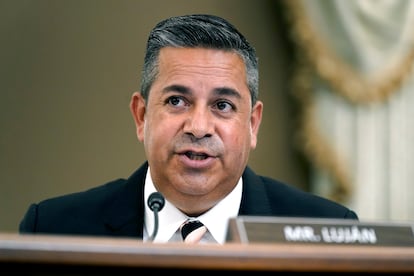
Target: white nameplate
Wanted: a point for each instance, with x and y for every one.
(252, 229)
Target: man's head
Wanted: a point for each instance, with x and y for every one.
(199, 30)
(197, 114)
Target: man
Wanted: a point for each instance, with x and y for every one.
(198, 116)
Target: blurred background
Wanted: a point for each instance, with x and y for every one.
(68, 69)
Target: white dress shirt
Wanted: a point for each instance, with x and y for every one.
(170, 218)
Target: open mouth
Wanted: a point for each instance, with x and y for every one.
(196, 156)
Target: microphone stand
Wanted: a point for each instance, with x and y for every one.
(155, 202)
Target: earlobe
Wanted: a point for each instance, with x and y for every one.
(137, 108)
(255, 120)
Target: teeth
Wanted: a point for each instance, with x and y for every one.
(195, 156)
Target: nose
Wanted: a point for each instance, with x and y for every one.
(199, 123)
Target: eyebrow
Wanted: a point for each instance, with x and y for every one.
(219, 91)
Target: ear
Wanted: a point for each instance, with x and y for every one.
(137, 107)
(255, 120)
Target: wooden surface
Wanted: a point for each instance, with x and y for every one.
(67, 255)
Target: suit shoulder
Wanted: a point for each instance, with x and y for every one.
(95, 193)
(300, 202)
(83, 204)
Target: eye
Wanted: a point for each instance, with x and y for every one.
(224, 106)
(175, 101)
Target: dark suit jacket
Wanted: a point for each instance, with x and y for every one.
(117, 208)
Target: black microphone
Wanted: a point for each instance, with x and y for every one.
(155, 202)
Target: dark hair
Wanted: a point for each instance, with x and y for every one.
(198, 30)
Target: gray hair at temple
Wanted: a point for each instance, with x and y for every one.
(198, 30)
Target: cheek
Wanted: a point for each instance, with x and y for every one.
(157, 132)
(238, 139)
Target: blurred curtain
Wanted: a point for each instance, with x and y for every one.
(354, 80)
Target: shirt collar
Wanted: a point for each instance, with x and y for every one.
(170, 218)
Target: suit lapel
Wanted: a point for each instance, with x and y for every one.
(254, 197)
(125, 215)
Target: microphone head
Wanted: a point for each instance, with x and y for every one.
(156, 201)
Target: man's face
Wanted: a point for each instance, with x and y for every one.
(198, 126)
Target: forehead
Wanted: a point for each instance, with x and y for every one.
(201, 66)
(205, 56)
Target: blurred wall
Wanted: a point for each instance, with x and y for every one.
(67, 71)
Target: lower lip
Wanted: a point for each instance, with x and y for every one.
(196, 164)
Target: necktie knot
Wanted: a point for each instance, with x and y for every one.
(192, 231)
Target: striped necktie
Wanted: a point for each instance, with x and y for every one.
(192, 231)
